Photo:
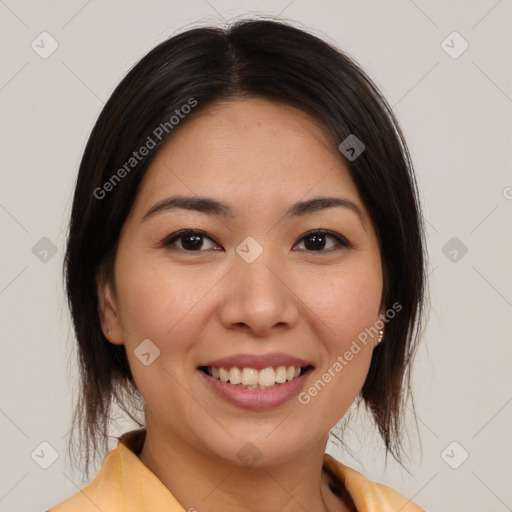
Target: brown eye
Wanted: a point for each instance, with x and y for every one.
(190, 241)
(318, 241)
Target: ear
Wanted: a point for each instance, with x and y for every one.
(108, 311)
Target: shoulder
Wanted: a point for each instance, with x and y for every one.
(104, 492)
(367, 495)
(383, 494)
(123, 483)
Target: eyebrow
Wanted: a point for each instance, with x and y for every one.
(216, 208)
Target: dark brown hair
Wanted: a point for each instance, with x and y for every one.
(255, 58)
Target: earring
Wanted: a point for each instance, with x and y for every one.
(381, 335)
(109, 331)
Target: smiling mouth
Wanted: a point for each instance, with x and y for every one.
(251, 378)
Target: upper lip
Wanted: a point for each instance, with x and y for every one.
(258, 362)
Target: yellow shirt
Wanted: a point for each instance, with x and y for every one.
(125, 484)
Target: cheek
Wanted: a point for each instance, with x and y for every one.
(343, 309)
(158, 301)
(346, 302)
(346, 308)
(166, 306)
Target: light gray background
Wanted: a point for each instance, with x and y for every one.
(456, 115)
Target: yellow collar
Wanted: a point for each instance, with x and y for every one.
(125, 483)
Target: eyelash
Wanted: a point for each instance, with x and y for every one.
(342, 242)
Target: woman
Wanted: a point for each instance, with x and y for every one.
(245, 260)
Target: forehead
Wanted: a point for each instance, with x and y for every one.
(248, 152)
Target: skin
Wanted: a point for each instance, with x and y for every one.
(259, 157)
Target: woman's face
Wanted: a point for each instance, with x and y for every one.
(256, 287)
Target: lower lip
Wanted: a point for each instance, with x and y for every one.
(257, 399)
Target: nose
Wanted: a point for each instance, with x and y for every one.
(258, 298)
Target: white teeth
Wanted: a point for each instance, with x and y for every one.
(224, 375)
(235, 376)
(249, 377)
(267, 377)
(281, 374)
(254, 379)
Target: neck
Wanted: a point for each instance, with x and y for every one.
(206, 483)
